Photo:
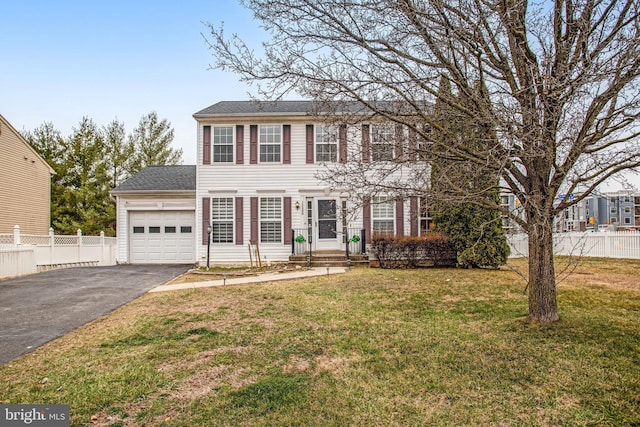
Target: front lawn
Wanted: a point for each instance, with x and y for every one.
(370, 347)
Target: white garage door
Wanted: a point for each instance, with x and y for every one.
(162, 237)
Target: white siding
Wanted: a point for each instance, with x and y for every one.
(129, 203)
(296, 180)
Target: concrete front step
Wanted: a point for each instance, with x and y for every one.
(332, 260)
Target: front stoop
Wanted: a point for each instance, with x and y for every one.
(331, 259)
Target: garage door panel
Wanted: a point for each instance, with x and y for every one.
(161, 237)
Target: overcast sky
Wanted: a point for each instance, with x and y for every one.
(62, 60)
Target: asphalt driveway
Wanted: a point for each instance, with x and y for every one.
(38, 308)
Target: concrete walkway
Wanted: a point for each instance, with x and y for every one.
(261, 278)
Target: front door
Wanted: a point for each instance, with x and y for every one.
(326, 223)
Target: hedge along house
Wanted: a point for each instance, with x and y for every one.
(257, 168)
(156, 217)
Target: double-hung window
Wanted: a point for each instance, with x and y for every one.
(382, 143)
(270, 140)
(426, 222)
(222, 146)
(326, 143)
(271, 220)
(222, 220)
(382, 214)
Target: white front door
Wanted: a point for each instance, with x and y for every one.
(326, 226)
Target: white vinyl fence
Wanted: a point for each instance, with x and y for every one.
(610, 244)
(29, 253)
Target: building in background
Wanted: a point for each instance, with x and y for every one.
(25, 184)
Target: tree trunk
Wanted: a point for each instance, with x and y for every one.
(543, 306)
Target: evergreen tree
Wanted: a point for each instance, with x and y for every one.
(475, 231)
(118, 152)
(92, 161)
(85, 202)
(49, 143)
(152, 144)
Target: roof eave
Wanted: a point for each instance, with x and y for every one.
(152, 192)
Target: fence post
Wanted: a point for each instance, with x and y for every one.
(16, 235)
(102, 257)
(79, 234)
(52, 243)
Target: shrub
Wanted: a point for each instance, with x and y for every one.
(429, 250)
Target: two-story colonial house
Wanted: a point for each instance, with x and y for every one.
(257, 181)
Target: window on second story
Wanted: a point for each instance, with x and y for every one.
(270, 141)
(222, 147)
(326, 143)
(382, 214)
(222, 220)
(382, 143)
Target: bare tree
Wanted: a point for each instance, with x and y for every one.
(562, 78)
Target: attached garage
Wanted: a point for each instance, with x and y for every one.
(156, 216)
(161, 237)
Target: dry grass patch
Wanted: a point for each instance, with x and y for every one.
(370, 347)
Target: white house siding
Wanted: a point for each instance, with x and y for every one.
(296, 180)
(146, 203)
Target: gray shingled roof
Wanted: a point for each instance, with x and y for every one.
(254, 107)
(225, 108)
(160, 179)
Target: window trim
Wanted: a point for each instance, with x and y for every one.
(333, 154)
(232, 129)
(262, 220)
(424, 209)
(376, 203)
(389, 144)
(225, 221)
(265, 144)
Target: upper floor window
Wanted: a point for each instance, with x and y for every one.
(326, 143)
(270, 142)
(382, 214)
(222, 220)
(270, 220)
(222, 144)
(382, 143)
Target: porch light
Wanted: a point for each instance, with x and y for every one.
(297, 205)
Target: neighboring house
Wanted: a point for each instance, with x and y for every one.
(256, 181)
(156, 219)
(609, 211)
(25, 184)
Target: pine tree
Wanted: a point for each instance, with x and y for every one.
(152, 144)
(118, 152)
(49, 143)
(475, 231)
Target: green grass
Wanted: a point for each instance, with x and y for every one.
(370, 347)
